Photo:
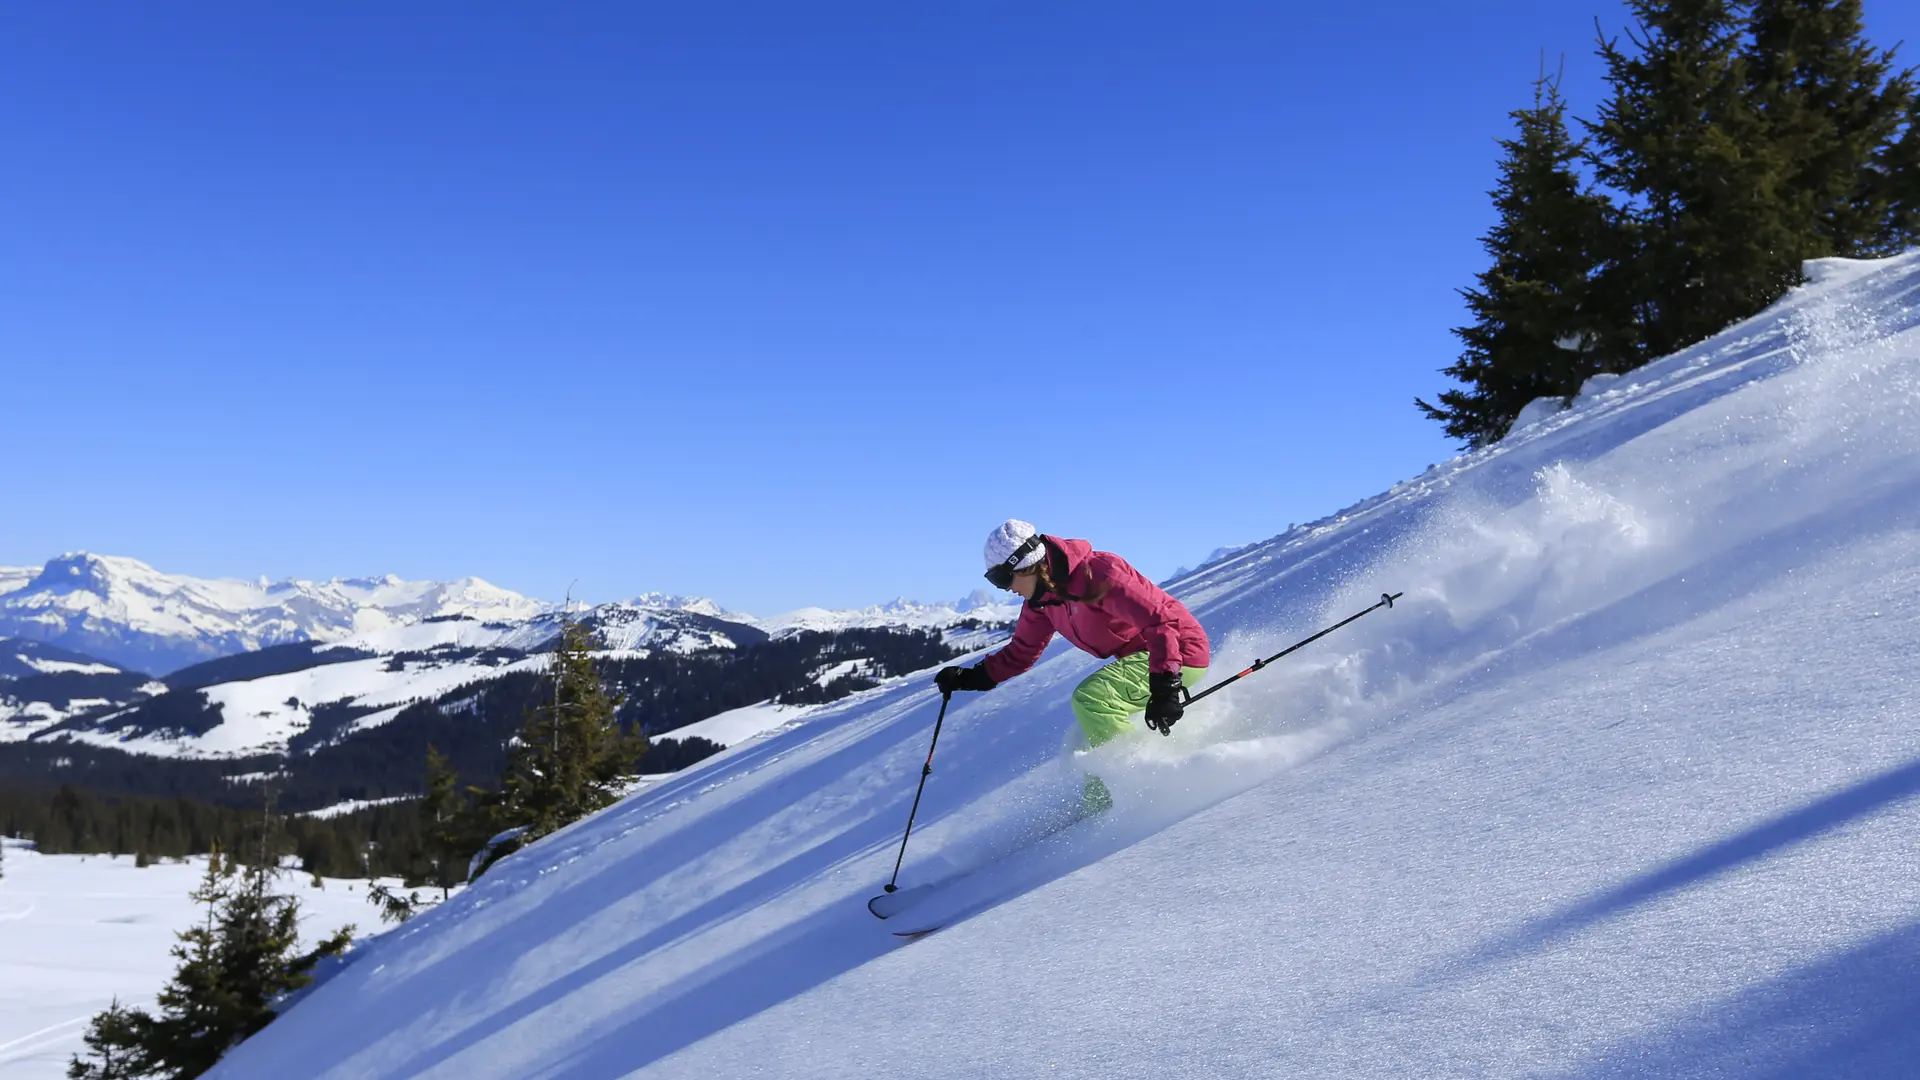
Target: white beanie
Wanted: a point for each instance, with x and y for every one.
(1002, 542)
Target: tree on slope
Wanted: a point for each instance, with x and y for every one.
(1831, 105)
(1896, 181)
(446, 815)
(233, 969)
(1540, 327)
(572, 755)
(450, 834)
(1706, 218)
(116, 1046)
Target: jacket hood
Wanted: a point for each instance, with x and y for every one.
(1065, 558)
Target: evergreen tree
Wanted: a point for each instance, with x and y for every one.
(394, 906)
(1896, 181)
(198, 1013)
(1539, 326)
(1831, 105)
(573, 754)
(233, 967)
(116, 1046)
(1707, 230)
(452, 835)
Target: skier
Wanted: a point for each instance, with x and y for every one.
(1106, 607)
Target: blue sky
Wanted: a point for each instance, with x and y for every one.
(779, 304)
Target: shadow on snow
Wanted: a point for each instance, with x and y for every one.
(1850, 1015)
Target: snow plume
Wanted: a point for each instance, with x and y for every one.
(1480, 579)
(1477, 580)
(1850, 345)
(1497, 575)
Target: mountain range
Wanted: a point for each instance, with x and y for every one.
(332, 690)
(126, 613)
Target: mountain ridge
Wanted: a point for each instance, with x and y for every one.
(129, 614)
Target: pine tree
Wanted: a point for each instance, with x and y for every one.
(1539, 326)
(1707, 227)
(233, 967)
(1896, 182)
(572, 754)
(116, 1041)
(451, 833)
(1832, 105)
(197, 1019)
(394, 906)
(1740, 137)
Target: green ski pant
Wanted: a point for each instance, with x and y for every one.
(1106, 700)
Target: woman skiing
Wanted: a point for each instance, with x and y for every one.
(1098, 601)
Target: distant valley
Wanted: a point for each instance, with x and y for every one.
(330, 692)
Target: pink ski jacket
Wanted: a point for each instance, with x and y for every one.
(1108, 609)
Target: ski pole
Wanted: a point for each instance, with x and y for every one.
(925, 772)
(1386, 600)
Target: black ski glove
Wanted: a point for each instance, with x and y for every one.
(963, 678)
(1164, 708)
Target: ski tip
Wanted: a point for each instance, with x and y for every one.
(913, 935)
(887, 905)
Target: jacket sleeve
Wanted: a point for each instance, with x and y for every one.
(1030, 637)
(1131, 597)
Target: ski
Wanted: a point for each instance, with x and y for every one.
(937, 904)
(889, 904)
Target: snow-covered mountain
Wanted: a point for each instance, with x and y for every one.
(981, 606)
(130, 614)
(1625, 785)
(295, 666)
(15, 577)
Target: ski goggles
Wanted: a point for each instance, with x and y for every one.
(1001, 576)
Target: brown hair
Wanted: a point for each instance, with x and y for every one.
(1045, 572)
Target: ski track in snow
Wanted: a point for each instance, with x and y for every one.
(1624, 786)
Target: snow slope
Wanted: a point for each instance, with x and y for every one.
(1624, 786)
(739, 725)
(22, 658)
(42, 685)
(78, 931)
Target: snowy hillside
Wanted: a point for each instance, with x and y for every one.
(128, 613)
(1625, 786)
(24, 659)
(298, 698)
(43, 685)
